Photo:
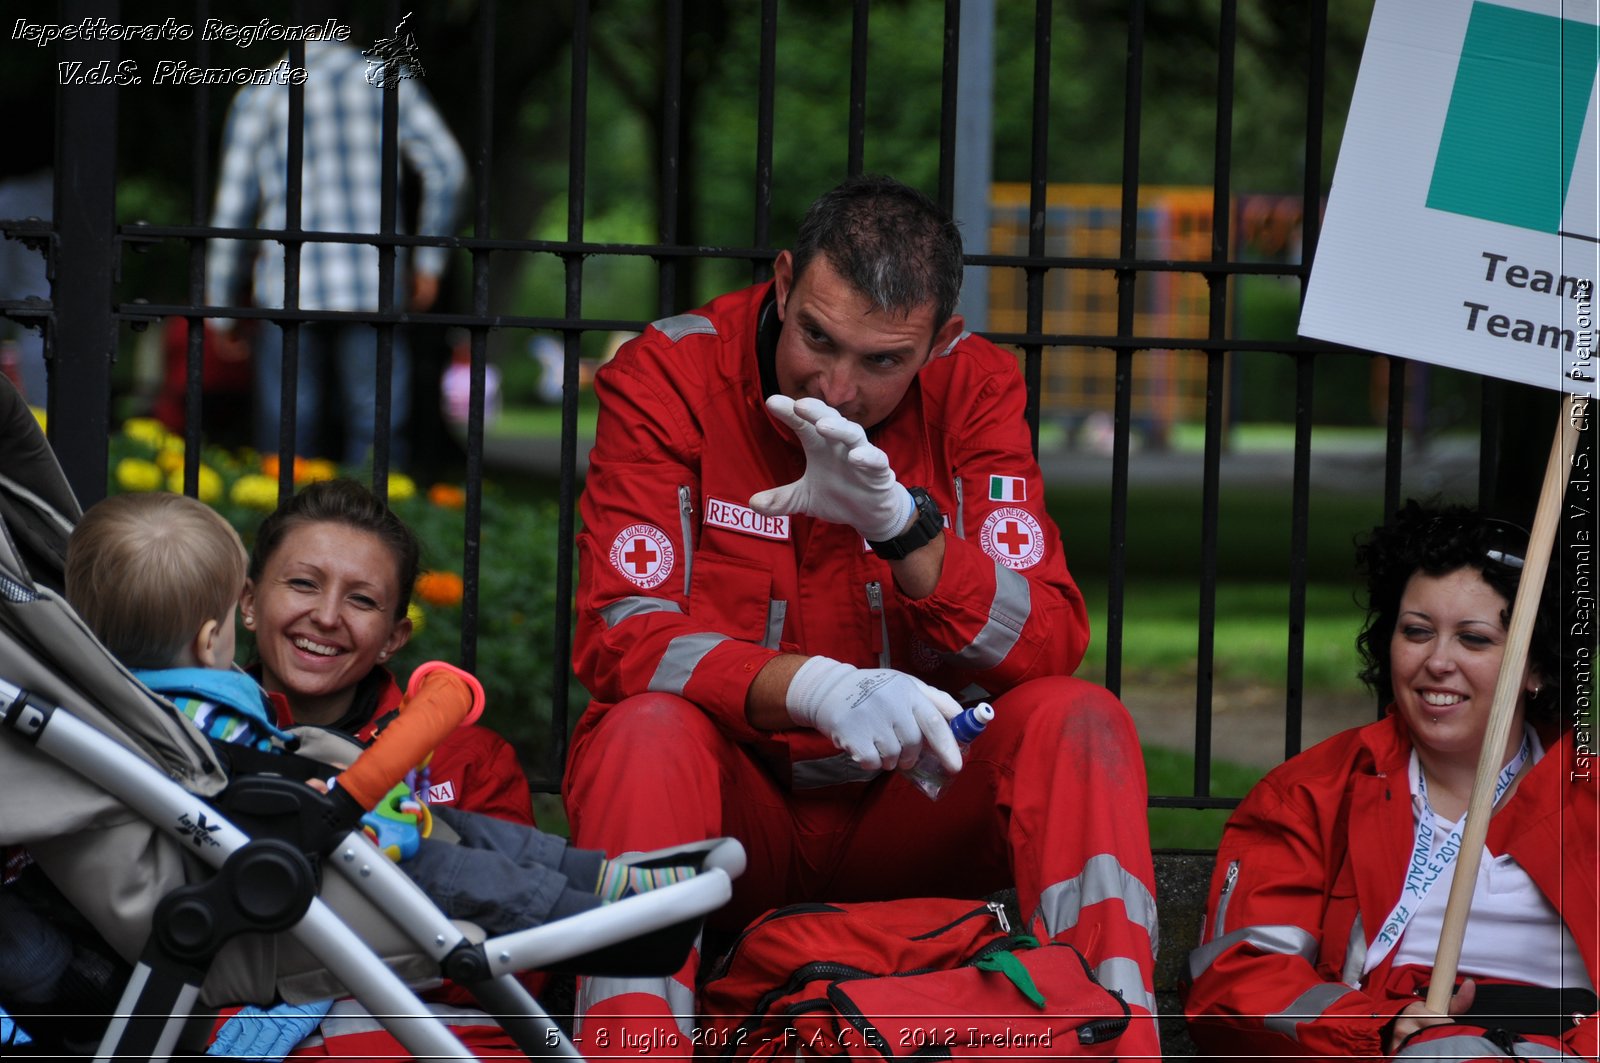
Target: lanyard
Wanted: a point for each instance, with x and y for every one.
(1426, 866)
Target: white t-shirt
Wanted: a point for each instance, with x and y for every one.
(1513, 932)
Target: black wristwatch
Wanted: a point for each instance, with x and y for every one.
(929, 523)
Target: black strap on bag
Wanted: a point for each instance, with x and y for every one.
(1530, 1009)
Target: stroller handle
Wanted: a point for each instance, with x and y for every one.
(439, 698)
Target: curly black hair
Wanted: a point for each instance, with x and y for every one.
(1438, 540)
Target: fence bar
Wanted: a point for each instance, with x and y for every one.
(1211, 476)
(199, 204)
(1038, 186)
(482, 169)
(1305, 379)
(1127, 290)
(293, 242)
(761, 268)
(388, 211)
(84, 333)
(671, 152)
(858, 86)
(949, 84)
(577, 187)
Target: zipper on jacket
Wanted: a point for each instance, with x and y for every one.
(959, 524)
(880, 639)
(1226, 895)
(686, 523)
(999, 911)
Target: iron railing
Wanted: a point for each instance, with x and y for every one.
(86, 243)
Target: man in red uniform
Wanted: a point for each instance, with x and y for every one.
(813, 525)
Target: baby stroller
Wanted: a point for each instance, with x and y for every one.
(227, 886)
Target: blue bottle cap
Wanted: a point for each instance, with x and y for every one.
(971, 722)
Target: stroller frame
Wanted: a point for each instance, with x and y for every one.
(52, 695)
(161, 996)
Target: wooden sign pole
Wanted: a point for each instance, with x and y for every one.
(1508, 687)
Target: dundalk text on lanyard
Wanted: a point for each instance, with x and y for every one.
(1425, 866)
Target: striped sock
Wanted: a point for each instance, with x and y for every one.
(619, 880)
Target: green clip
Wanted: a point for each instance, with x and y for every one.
(1007, 964)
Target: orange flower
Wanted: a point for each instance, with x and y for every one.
(447, 496)
(269, 467)
(440, 588)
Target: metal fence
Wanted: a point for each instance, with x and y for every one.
(86, 315)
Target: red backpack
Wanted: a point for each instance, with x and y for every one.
(929, 978)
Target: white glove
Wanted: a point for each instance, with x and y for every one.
(847, 479)
(877, 715)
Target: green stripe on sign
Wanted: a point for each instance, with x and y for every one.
(1516, 113)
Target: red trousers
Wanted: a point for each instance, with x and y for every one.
(1051, 799)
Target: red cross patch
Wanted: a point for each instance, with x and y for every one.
(1013, 537)
(643, 554)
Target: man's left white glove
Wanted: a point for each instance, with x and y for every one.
(879, 716)
(847, 479)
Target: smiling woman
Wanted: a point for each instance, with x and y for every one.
(1328, 900)
(330, 579)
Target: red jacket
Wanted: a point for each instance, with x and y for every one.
(683, 589)
(1290, 888)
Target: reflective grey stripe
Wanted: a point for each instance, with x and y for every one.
(595, 991)
(829, 771)
(1284, 940)
(623, 608)
(973, 693)
(1121, 975)
(1462, 1047)
(1308, 1007)
(776, 611)
(1102, 878)
(1013, 601)
(1355, 955)
(677, 327)
(683, 656)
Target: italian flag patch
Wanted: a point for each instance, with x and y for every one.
(1008, 489)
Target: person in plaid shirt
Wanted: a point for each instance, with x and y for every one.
(340, 192)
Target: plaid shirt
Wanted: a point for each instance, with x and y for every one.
(340, 186)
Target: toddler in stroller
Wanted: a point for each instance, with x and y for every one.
(157, 578)
(183, 870)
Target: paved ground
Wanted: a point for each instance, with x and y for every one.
(1247, 723)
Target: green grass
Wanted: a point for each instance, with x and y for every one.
(1171, 772)
(1250, 636)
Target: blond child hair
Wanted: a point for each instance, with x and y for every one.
(148, 571)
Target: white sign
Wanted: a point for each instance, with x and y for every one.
(1463, 227)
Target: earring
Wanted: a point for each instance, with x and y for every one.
(1536, 691)
(383, 655)
(249, 620)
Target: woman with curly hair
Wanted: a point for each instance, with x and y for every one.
(1329, 894)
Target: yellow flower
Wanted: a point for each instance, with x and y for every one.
(316, 469)
(401, 487)
(418, 618)
(210, 484)
(39, 415)
(256, 491)
(146, 430)
(136, 474)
